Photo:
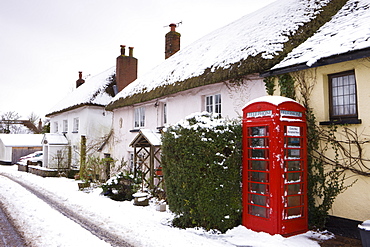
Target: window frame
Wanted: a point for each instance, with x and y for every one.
(213, 104)
(345, 118)
(56, 127)
(65, 126)
(139, 117)
(76, 125)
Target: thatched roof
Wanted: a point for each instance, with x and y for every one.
(252, 44)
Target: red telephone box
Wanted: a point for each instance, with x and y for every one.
(275, 166)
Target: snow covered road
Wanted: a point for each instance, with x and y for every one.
(43, 226)
(96, 230)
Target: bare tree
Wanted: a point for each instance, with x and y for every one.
(9, 123)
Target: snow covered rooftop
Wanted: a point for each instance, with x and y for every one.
(229, 51)
(275, 100)
(92, 92)
(151, 137)
(349, 30)
(21, 140)
(54, 139)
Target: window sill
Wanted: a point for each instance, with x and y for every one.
(134, 130)
(342, 121)
(74, 132)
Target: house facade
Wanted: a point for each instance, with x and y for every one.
(219, 73)
(81, 115)
(334, 67)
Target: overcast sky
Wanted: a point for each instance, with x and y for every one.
(44, 43)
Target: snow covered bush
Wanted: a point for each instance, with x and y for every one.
(121, 187)
(201, 159)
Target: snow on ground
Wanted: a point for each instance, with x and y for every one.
(141, 226)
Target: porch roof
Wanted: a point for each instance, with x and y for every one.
(147, 138)
(54, 139)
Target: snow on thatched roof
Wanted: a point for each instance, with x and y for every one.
(92, 92)
(348, 31)
(253, 43)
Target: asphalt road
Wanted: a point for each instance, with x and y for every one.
(9, 236)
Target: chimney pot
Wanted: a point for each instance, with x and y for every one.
(131, 51)
(123, 50)
(173, 27)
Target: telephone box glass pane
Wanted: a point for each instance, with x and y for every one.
(258, 188)
(293, 142)
(294, 153)
(258, 199)
(293, 189)
(258, 211)
(258, 153)
(293, 177)
(293, 165)
(294, 201)
(258, 142)
(258, 177)
(258, 131)
(292, 213)
(261, 165)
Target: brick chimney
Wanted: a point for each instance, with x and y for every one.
(126, 68)
(172, 41)
(80, 81)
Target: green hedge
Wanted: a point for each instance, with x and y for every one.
(201, 160)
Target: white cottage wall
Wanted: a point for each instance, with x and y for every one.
(93, 122)
(179, 105)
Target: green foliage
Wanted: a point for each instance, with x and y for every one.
(269, 84)
(286, 83)
(122, 186)
(201, 161)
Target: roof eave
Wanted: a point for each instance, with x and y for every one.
(348, 56)
(72, 108)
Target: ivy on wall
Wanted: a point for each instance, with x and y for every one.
(201, 161)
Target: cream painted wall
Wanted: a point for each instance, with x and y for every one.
(179, 106)
(355, 201)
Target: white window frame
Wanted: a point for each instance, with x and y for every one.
(139, 117)
(65, 125)
(76, 124)
(164, 113)
(213, 104)
(56, 127)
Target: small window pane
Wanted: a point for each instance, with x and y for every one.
(258, 211)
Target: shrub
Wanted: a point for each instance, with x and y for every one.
(201, 160)
(121, 187)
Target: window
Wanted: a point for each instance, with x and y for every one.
(76, 123)
(56, 127)
(139, 120)
(164, 113)
(65, 126)
(213, 104)
(343, 96)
